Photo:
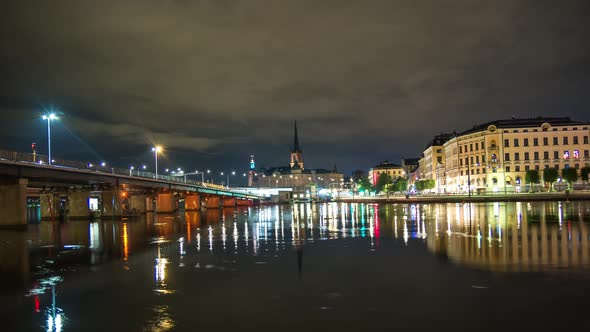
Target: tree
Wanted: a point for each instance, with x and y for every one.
(430, 184)
(550, 175)
(400, 184)
(366, 184)
(570, 175)
(532, 177)
(585, 171)
(383, 181)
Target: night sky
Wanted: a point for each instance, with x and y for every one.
(214, 81)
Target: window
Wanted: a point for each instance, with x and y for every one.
(483, 158)
(494, 158)
(546, 155)
(507, 168)
(566, 154)
(535, 141)
(506, 156)
(576, 154)
(516, 142)
(466, 160)
(516, 156)
(556, 166)
(585, 139)
(555, 141)
(566, 166)
(586, 154)
(478, 171)
(546, 166)
(471, 160)
(545, 141)
(471, 171)
(526, 156)
(471, 147)
(536, 155)
(525, 142)
(506, 143)
(555, 154)
(536, 167)
(565, 139)
(577, 166)
(439, 159)
(461, 173)
(576, 140)
(481, 145)
(477, 159)
(526, 168)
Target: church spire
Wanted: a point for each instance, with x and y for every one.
(295, 147)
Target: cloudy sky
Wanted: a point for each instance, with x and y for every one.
(217, 80)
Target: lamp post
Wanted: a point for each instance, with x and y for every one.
(156, 149)
(48, 118)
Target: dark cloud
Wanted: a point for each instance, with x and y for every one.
(215, 81)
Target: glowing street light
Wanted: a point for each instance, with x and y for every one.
(155, 150)
(49, 117)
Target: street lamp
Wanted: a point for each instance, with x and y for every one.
(156, 149)
(48, 118)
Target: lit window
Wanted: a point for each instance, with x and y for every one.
(566, 155)
(576, 154)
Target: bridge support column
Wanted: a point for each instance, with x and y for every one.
(138, 203)
(213, 202)
(13, 204)
(166, 203)
(112, 203)
(244, 202)
(78, 205)
(192, 202)
(229, 202)
(49, 206)
(149, 204)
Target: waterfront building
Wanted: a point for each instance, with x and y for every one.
(304, 182)
(432, 164)
(386, 167)
(495, 156)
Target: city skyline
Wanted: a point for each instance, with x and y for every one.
(214, 82)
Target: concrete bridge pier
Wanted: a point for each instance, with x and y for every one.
(166, 203)
(78, 205)
(112, 203)
(150, 206)
(192, 202)
(229, 202)
(138, 203)
(49, 206)
(13, 203)
(213, 202)
(244, 202)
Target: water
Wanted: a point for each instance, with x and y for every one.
(329, 266)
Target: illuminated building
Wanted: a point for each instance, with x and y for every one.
(432, 163)
(386, 167)
(495, 156)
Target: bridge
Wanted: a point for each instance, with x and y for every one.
(79, 190)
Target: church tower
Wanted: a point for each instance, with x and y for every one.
(296, 153)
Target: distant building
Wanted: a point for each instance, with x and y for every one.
(304, 182)
(386, 167)
(410, 164)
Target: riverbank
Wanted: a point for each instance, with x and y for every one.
(474, 198)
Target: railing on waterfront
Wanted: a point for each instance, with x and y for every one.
(41, 160)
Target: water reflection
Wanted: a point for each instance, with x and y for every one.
(509, 237)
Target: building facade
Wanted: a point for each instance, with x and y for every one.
(386, 167)
(432, 163)
(495, 156)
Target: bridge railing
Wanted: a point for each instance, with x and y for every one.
(42, 160)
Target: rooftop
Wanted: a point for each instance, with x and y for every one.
(524, 123)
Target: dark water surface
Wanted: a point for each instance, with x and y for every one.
(304, 267)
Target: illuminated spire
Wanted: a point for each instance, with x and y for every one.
(296, 147)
